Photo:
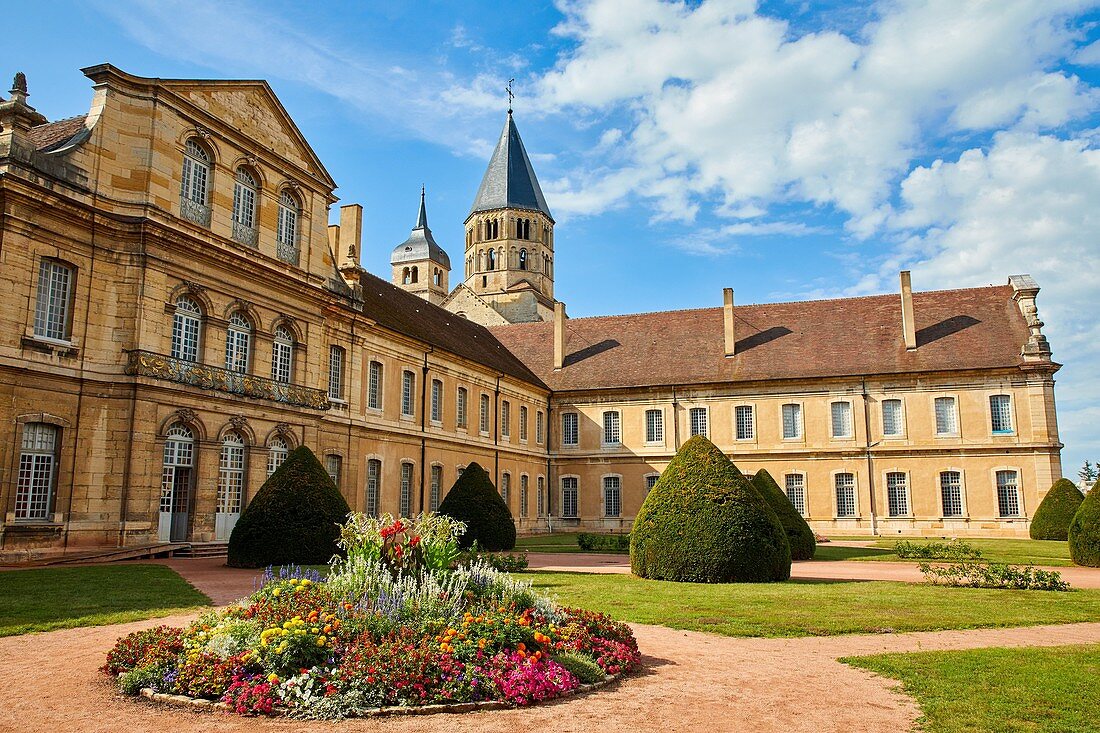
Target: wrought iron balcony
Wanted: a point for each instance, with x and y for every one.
(158, 366)
(246, 235)
(195, 212)
(288, 251)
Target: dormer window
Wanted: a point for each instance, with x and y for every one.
(286, 236)
(195, 184)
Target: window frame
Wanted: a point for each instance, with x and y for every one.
(186, 324)
(907, 495)
(47, 306)
(435, 483)
(656, 436)
(799, 423)
(616, 491)
(692, 413)
(337, 361)
(851, 434)
(485, 408)
(29, 470)
(462, 408)
(376, 373)
(282, 354)
(524, 495)
(524, 416)
(246, 198)
(1019, 492)
(505, 488)
(738, 410)
(232, 473)
(372, 488)
(612, 432)
(836, 494)
(339, 463)
(505, 420)
(1007, 413)
(576, 429)
(436, 414)
(277, 450)
(405, 489)
(802, 486)
(239, 333)
(963, 510)
(576, 490)
(408, 394)
(956, 418)
(540, 427)
(901, 432)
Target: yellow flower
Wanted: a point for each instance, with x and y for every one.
(273, 679)
(275, 592)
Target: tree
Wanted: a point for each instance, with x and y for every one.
(294, 518)
(474, 500)
(1088, 473)
(801, 537)
(704, 522)
(1084, 530)
(1055, 512)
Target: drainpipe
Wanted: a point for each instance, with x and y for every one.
(424, 422)
(496, 434)
(549, 493)
(675, 420)
(870, 459)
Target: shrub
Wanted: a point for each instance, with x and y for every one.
(799, 535)
(504, 562)
(474, 500)
(590, 542)
(993, 575)
(294, 518)
(1055, 511)
(1084, 530)
(956, 549)
(157, 646)
(582, 666)
(704, 522)
(132, 682)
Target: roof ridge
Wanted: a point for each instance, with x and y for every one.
(63, 119)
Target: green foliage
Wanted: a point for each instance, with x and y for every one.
(474, 500)
(590, 542)
(956, 549)
(132, 682)
(993, 575)
(505, 562)
(1055, 512)
(294, 519)
(799, 535)
(583, 667)
(704, 522)
(1084, 530)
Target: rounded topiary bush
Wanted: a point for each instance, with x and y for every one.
(294, 518)
(474, 500)
(801, 537)
(704, 522)
(1055, 512)
(1084, 530)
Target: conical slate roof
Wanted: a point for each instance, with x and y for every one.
(421, 244)
(510, 180)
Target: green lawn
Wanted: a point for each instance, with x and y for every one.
(1016, 552)
(557, 542)
(813, 608)
(1036, 690)
(41, 599)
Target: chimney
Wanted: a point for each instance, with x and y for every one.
(727, 318)
(334, 241)
(348, 235)
(559, 334)
(908, 326)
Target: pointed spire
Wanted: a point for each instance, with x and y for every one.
(422, 217)
(510, 180)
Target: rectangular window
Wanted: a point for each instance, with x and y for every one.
(795, 483)
(437, 488)
(374, 478)
(523, 498)
(611, 434)
(374, 386)
(540, 498)
(742, 417)
(842, 419)
(569, 428)
(484, 424)
(951, 493)
(506, 488)
(650, 482)
(460, 407)
(1008, 494)
(540, 426)
(51, 312)
(408, 382)
(845, 484)
(792, 421)
(1000, 411)
(505, 418)
(698, 418)
(897, 495)
(947, 420)
(335, 373)
(332, 467)
(406, 489)
(891, 418)
(569, 497)
(37, 472)
(523, 423)
(612, 496)
(437, 400)
(654, 426)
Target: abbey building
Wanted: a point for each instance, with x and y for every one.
(179, 313)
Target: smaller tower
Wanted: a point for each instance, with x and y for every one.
(420, 266)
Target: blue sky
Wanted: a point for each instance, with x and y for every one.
(787, 149)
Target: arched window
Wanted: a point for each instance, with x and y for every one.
(286, 235)
(37, 472)
(492, 259)
(175, 487)
(523, 259)
(276, 454)
(282, 355)
(195, 183)
(437, 277)
(405, 276)
(231, 474)
(245, 192)
(415, 274)
(186, 329)
(238, 342)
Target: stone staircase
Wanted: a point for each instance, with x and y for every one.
(202, 549)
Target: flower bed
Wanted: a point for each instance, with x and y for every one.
(397, 625)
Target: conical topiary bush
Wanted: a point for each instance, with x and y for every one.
(1056, 510)
(801, 537)
(1084, 530)
(704, 522)
(474, 500)
(294, 519)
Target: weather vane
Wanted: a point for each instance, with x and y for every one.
(511, 96)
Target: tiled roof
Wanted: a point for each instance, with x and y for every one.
(413, 316)
(510, 180)
(53, 135)
(977, 328)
